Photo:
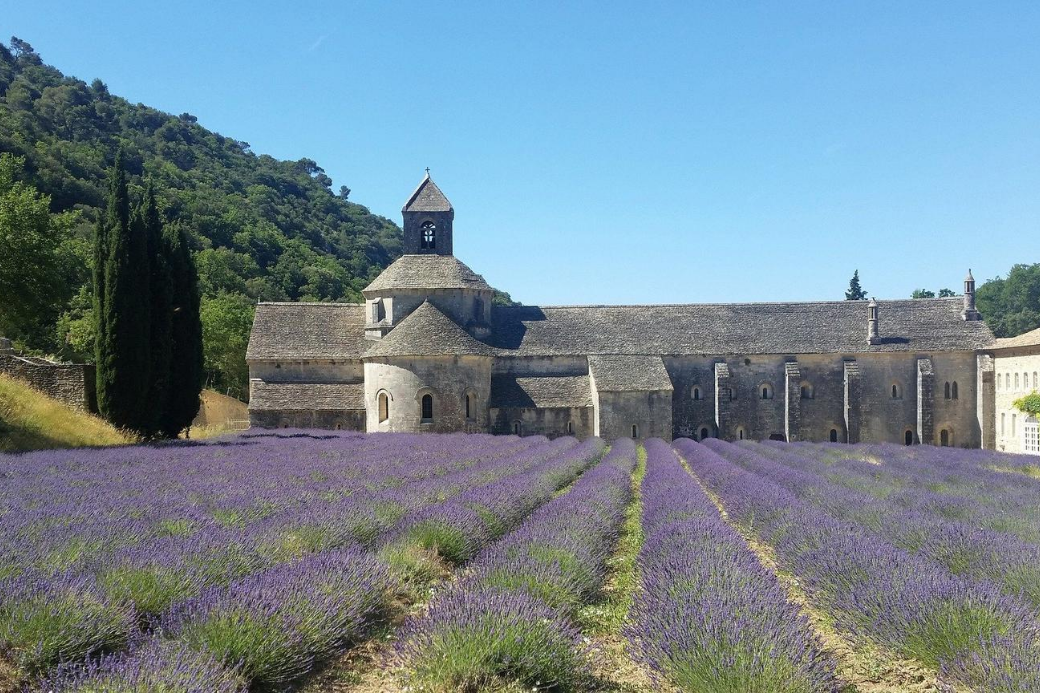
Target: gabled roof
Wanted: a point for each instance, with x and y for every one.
(428, 332)
(540, 392)
(427, 198)
(629, 373)
(279, 396)
(737, 328)
(307, 331)
(428, 272)
(1027, 339)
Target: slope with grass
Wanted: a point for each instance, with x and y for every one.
(30, 420)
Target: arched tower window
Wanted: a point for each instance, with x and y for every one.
(908, 437)
(946, 391)
(806, 391)
(740, 433)
(954, 389)
(696, 393)
(767, 391)
(469, 413)
(897, 391)
(944, 438)
(384, 407)
(428, 240)
(427, 407)
(704, 433)
(834, 435)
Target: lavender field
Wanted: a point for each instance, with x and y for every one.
(310, 561)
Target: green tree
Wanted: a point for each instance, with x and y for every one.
(29, 245)
(947, 293)
(855, 292)
(226, 322)
(160, 283)
(922, 293)
(122, 326)
(1011, 306)
(186, 353)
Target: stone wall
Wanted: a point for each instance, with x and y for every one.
(618, 412)
(343, 419)
(307, 371)
(448, 379)
(549, 422)
(1011, 369)
(819, 397)
(70, 383)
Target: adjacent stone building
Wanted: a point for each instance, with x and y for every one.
(427, 351)
(70, 383)
(1014, 372)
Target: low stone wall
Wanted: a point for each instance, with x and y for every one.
(338, 420)
(70, 383)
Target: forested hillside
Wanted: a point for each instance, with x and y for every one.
(260, 228)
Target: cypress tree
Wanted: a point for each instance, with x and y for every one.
(161, 310)
(97, 314)
(123, 344)
(186, 373)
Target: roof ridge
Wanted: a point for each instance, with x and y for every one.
(308, 303)
(738, 303)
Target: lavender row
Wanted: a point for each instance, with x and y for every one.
(876, 591)
(959, 545)
(70, 589)
(510, 617)
(709, 616)
(262, 631)
(960, 484)
(459, 527)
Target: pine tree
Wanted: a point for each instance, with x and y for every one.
(123, 344)
(855, 292)
(161, 310)
(186, 371)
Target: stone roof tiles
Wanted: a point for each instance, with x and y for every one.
(288, 396)
(427, 272)
(428, 332)
(548, 392)
(307, 331)
(1027, 339)
(629, 373)
(427, 198)
(739, 328)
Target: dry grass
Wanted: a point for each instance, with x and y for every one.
(219, 414)
(30, 420)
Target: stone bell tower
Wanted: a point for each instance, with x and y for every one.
(428, 217)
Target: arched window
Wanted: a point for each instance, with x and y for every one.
(570, 427)
(696, 393)
(516, 428)
(806, 391)
(1016, 381)
(704, 433)
(427, 407)
(429, 235)
(767, 391)
(946, 391)
(635, 431)
(1034, 380)
(1007, 381)
(469, 414)
(955, 389)
(1014, 420)
(908, 437)
(834, 435)
(384, 407)
(897, 391)
(740, 433)
(944, 438)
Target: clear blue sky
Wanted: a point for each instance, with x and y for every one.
(624, 153)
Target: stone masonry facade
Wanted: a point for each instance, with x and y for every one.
(427, 351)
(70, 383)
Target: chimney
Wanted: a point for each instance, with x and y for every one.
(969, 312)
(873, 331)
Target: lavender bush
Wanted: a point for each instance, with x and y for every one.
(709, 616)
(509, 618)
(876, 590)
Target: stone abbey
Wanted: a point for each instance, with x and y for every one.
(428, 351)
